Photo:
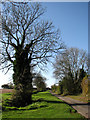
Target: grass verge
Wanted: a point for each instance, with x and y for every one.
(80, 97)
(44, 105)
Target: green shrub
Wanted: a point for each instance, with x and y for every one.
(85, 84)
(54, 88)
(58, 90)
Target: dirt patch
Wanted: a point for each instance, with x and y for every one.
(6, 90)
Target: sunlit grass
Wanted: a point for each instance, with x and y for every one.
(44, 105)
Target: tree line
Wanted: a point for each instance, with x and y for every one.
(70, 67)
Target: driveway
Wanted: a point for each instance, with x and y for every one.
(81, 107)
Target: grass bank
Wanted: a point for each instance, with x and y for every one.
(44, 105)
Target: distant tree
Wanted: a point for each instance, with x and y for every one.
(5, 86)
(11, 85)
(8, 86)
(27, 41)
(39, 82)
(54, 88)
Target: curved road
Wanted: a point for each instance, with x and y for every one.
(81, 107)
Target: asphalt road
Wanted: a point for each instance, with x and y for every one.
(81, 107)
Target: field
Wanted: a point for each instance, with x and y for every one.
(44, 105)
(6, 90)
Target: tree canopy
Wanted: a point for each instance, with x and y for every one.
(71, 59)
(24, 30)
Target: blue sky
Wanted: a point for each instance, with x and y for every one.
(72, 20)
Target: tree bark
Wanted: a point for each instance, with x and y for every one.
(22, 79)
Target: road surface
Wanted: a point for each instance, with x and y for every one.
(81, 107)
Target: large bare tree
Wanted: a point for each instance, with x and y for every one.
(27, 41)
(70, 60)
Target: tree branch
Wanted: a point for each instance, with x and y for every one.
(9, 57)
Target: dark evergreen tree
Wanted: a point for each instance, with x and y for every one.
(68, 83)
(82, 74)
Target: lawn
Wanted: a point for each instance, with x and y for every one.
(44, 105)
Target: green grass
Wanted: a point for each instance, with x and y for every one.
(6, 96)
(44, 106)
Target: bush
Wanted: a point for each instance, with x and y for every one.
(54, 88)
(58, 90)
(85, 84)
